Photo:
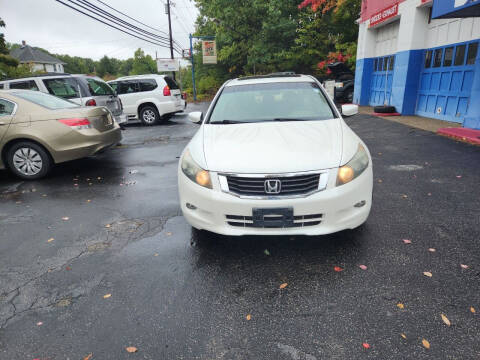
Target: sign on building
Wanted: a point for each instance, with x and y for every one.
(455, 8)
(168, 65)
(209, 50)
(384, 15)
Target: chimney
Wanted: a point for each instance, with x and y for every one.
(24, 43)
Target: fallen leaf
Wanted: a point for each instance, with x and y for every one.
(90, 184)
(65, 218)
(403, 336)
(445, 320)
(400, 306)
(432, 250)
(39, 323)
(50, 240)
(88, 357)
(406, 241)
(107, 296)
(249, 317)
(404, 196)
(68, 268)
(464, 266)
(366, 345)
(18, 202)
(380, 181)
(156, 254)
(75, 184)
(379, 153)
(427, 273)
(169, 234)
(363, 267)
(131, 349)
(337, 269)
(283, 286)
(89, 201)
(459, 176)
(99, 178)
(266, 252)
(472, 310)
(44, 195)
(429, 194)
(425, 344)
(108, 226)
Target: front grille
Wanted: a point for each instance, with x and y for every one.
(298, 221)
(290, 185)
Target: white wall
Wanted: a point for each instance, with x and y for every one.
(449, 31)
(386, 39)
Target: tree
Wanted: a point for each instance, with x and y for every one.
(3, 45)
(143, 64)
(105, 66)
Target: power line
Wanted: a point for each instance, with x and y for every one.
(118, 21)
(112, 26)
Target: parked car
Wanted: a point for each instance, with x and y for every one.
(39, 130)
(149, 98)
(344, 82)
(273, 156)
(81, 89)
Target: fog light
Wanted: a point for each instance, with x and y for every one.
(360, 204)
(190, 206)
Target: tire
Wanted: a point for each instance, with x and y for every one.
(149, 115)
(348, 96)
(385, 109)
(28, 160)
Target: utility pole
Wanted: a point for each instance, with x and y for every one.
(170, 32)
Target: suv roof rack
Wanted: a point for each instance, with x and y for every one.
(39, 75)
(269, 76)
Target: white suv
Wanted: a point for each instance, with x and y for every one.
(149, 98)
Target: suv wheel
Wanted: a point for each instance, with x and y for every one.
(149, 115)
(28, 160)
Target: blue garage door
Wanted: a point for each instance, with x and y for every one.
(383, 68)
(446, 81)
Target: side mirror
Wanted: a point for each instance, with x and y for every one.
(349, 110)
(196, 117)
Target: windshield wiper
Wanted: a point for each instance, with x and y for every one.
(229, 122)
(290, 119)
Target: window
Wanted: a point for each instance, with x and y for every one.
(24, 85)
(437, 58)
(127, 87)
(385, 63)
(171, 83)
(297, 101)
(45, 100)
(6, 107)
(147, 84)
(448, 58)
(375, 65)
(113, 85)
(391, 63)
(1, 86)
(460, 55)
(428, 59)
(54, 68)
(98, 87)
(472, 53)
(67, 88)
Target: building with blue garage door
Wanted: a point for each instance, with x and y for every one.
(422, 57)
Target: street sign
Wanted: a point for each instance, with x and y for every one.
(168, 65)
(209, 50)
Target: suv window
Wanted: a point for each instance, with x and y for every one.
(98, 87)
(147, 84)
(113, 85)
(25, 85)
(128, 87)
(45, 100)
(6, 107)
(1, 86)
(171, 83)
(66, 88)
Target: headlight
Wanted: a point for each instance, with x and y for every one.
(195, 172)
(354, 167)
(339, 85)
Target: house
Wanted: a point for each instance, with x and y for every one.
(422, 57)
(39, 60)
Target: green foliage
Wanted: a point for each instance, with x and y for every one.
(3, 45)
(143, 64)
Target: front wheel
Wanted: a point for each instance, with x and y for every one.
(28, 160)
(149, 116)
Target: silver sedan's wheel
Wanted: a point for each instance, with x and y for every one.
(27, 161)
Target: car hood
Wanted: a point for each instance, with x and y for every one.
(273, 147)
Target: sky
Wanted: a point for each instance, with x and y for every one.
(60, 30)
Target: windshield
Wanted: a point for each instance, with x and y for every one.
(98, 87)
(289, 101)
(45, 100)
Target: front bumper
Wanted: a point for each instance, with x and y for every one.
(335, 204)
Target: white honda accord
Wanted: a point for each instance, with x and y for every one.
(273, 156)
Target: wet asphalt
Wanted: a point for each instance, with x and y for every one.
(111, 225)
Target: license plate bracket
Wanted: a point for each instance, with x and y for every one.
(273, 218)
